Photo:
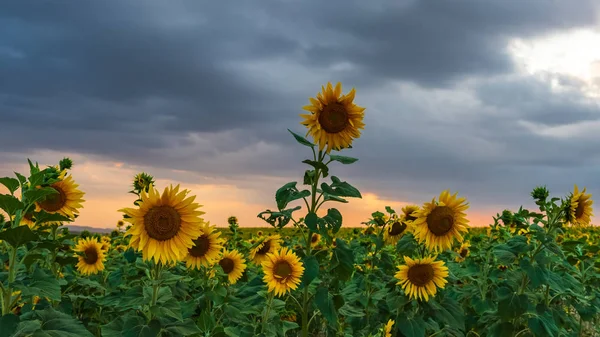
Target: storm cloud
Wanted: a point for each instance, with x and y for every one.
(211, 87)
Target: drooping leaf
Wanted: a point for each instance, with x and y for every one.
(323, 169)
(311, 270)
(8, 325)
(343, 159)
(325, 304)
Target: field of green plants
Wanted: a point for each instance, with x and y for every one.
(416, 271)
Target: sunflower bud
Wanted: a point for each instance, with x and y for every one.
(540, 194)
(142, 181)
(65, 164)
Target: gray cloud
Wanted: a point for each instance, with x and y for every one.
(212, 88)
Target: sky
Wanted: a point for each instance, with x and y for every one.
(485, 98)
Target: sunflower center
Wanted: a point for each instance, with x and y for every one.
(282, 269)
(91, 255)
(201, 246)
(334, 117)
(464, 252)
(420, 274)
(54, 202)
(314, 238)
(227, 264)
(265, 248)
(397, 228)
(441, 220)
(162, 222)
(580, 210)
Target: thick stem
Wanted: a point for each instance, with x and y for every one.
(313, 208)
(155, 286)
(267, 312)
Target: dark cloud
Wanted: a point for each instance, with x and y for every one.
(212, 87)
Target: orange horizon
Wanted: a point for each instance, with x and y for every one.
(106, 184)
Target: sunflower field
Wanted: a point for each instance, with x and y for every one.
(416, 271)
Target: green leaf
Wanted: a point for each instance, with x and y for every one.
(57, 324)
(318, 165)
(406, 245)
(10, 204)
(206, 321)
(543, 325)
(333, 219)
(340, 188)
(342, 260)
(311, 221)
(329, 197)
(170, 308)
(504, 254)
(21, 177)
(311, 270)
(184, 328)
(343, 159)
(40, 194)
(349, 311)
(18, 236)
(8, 325)
(513, 306)
(301, 139)
(40, 284)
(536, 273)
(411, 327)
(11, 183)
(288, 193)
(43, 217)
(324, 303)
(309, 176)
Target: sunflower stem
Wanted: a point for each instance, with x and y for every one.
(267, 312)
(155, 286)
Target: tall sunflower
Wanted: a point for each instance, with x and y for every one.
(283, 271)
(439, 223)
(269, 245)
(580, 208)
(164, 227)
(206, 248)
(334, 120)
(233, 264)
(91, 260)
(420, 278)
(67, 201)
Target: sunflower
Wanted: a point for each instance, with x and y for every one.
(233, 264)
(502, 267)
(269, 245)
(580, 208)
(92, 259)
(463, 252)
(420, 278)
(206, 248)
(105, 242)
(439, 223)
(315, 238)
(27, 220)
(394, 232)
(164, 227)
(387, 329)
(66, 201)
(283, 271)
(259, 233)
(409, 213)
(334, 120)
